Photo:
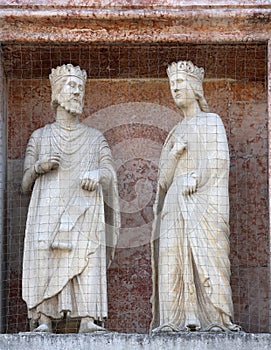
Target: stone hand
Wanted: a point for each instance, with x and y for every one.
(47, 164)
(179, 147)
(189, 184)
(89, 184)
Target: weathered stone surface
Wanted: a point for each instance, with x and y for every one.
(115, 341)
(236, 89)
(135, 21)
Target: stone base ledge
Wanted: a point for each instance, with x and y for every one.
(118, 341)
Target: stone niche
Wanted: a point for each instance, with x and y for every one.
(128, 99)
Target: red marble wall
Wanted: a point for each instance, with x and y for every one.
(135, 113)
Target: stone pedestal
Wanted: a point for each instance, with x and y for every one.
(196, 341)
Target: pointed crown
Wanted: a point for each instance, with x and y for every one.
(67, 70)
(186, 67)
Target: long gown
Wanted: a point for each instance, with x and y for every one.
(190, 242)
(82, 224)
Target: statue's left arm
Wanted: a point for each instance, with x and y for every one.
(108, 181)
(212, 171)
(215, 164)
(105, 172)
(106, 166)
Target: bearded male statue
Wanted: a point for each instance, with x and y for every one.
(190, 243)
(73, 217)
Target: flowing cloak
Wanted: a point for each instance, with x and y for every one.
(61, 212)
(190, 237)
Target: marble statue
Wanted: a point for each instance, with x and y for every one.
(73, 216)
(190, 243)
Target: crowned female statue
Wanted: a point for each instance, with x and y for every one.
(190, 243)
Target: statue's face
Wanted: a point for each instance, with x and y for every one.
(181, 90)
(71, 96)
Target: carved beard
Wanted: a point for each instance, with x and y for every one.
(73, 107)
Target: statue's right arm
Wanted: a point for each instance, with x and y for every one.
(30, 174)
(168, 165)
(166, 171)
(34, 166)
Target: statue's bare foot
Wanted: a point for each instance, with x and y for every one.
(87, 325)
(43, 328)
(45, 324)
(234, 327)
(230, 325)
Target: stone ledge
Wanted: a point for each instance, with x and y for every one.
(117, 341)
(191, 23)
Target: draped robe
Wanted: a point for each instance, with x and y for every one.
(190, 242)
(62, 214)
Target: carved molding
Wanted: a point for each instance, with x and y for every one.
(140, 21)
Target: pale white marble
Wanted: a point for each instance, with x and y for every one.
(73, 217)
(190, 243)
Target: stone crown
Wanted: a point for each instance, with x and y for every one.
(186, 67)
(67, 70)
